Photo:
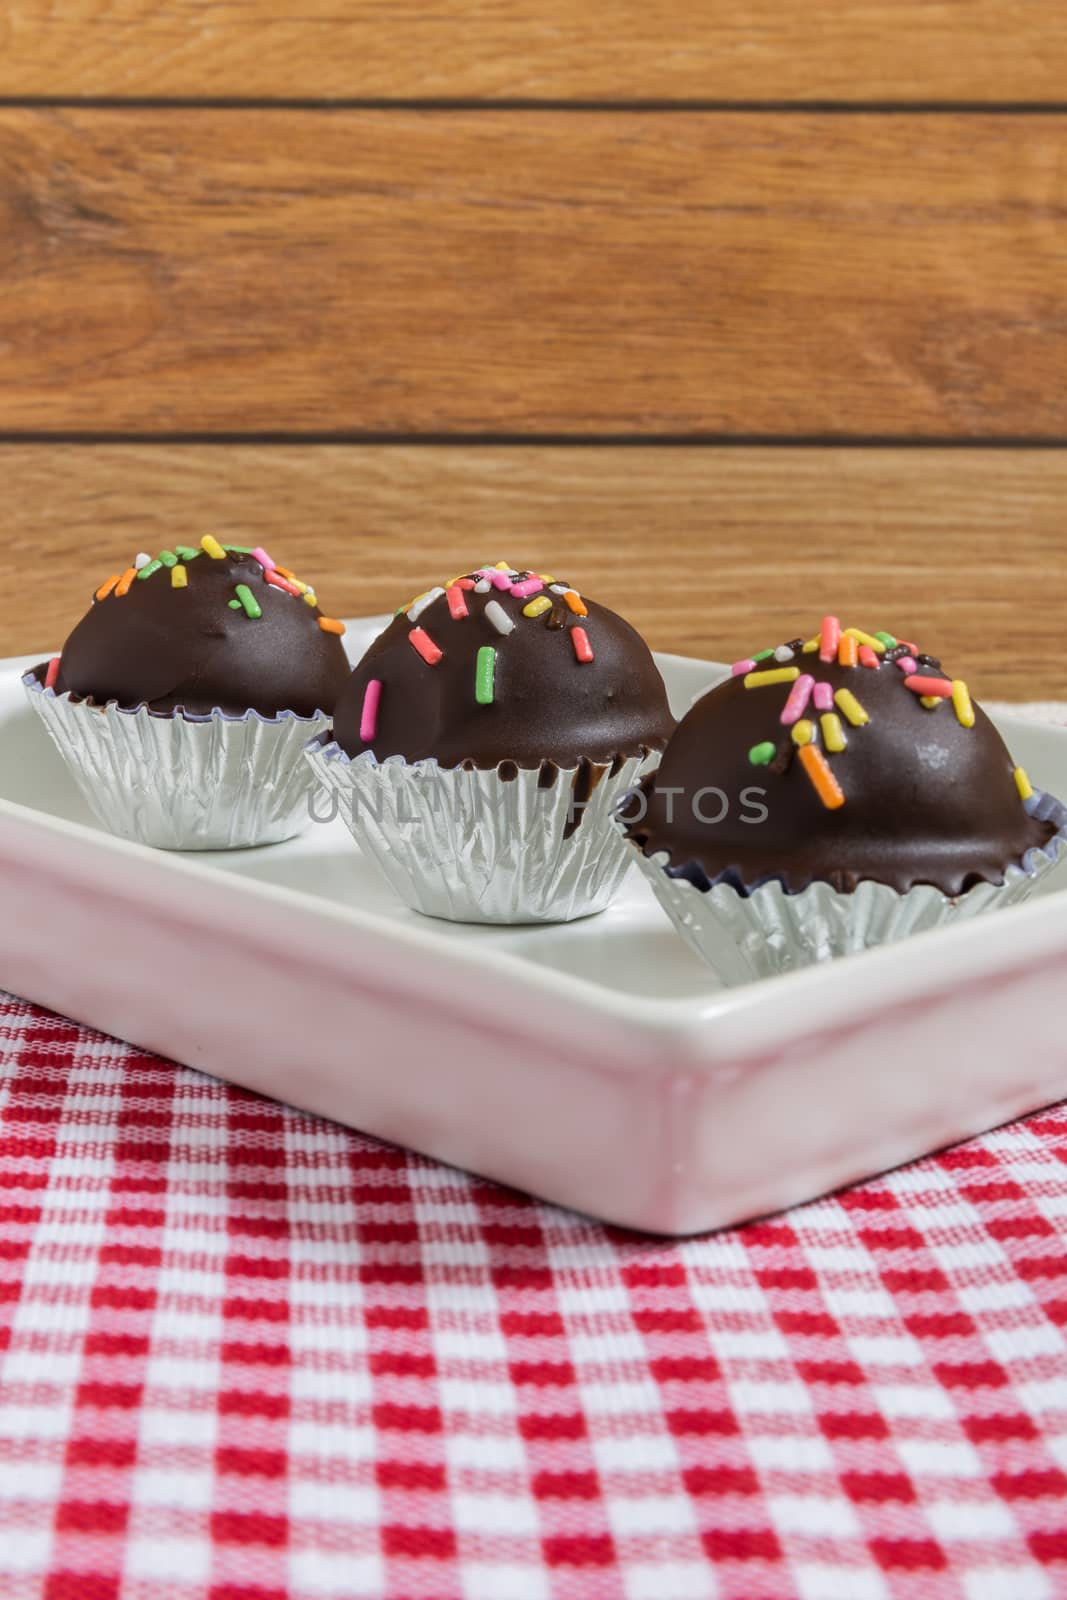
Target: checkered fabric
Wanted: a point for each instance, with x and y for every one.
(248, 1355)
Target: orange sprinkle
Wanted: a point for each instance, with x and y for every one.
(106, 588)
(576, 603)
(331, 625)
(823, 781)
(847, 651)
(285, 572)
(123, 585)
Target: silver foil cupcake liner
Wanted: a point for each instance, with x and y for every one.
(475, 846)
(179, 782)
(767, 931)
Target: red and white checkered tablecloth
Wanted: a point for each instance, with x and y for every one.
(247, 1355)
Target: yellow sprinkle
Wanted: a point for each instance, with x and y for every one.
(961, 700)
(538, 606)
(810, 646)
(212, 548)
(310, 600)
(503, 566)
(759, 680)
(546, 577)
(803, 731)
(179, 578)
(833, 735)
(930, 701)
(866, 638)
(847, 702)
(1023, 784)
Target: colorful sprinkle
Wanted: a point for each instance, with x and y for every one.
(312, 600)
(52, 674)
(576, 603)
(503, 566)
(873, 641)
(803, 731)
(784, 652)
(420, 640)
(260, 555)
(283, 570)
(1023, 784)
(125, 583)
(847, 650)
(961, 703)
(886, 639)
(141, 560)
(498, 618)
(186, 552)
(740, 668)
(277, 582)
(499, 580)
(824, 697)
(761, 755)
(485, 675)
(153, 566)
(829, 637)
(810, 646)
(248, 600)
(483, 586)
(368, 717)
(168, 558)
(763, 655)
(538, 607)
(822, 779)
(930, 702)
(760, 680)
(907, 664)
(331, 625)
(937, 688)
(457, 602)
(583, 650)
(846, 701)
(833, 734)
(420, 603)
(235, 605)
(797, 703)
(546, 577)
(179, 577)
(868, 657)
(212, 548)
(528, 586)
(106, 588)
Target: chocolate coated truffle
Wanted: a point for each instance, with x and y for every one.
(505, 666)
(866, 760)
(205, 628)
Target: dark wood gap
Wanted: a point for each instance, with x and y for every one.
(840, 108)
(570, 441)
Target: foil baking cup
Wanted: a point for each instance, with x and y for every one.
(182, 782)
(767, 931)
(473, 846)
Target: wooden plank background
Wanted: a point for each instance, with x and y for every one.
(735, 311)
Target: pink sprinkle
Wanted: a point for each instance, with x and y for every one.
(797, 704)
(907, 664)
(739, 668)
(422, 642)
(456, 603)
(824, 697)
(582, 648)
(499, 580)
(829, 639)
(281, 583)
(260, 555)
(869, 657)
(529, 586)
(463, 583)
(52, 674)
(368, 719)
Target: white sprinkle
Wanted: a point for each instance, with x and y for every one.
(141, 560)
(415, 611)
(483, 586)
(496, 614)
(560, 588)
(784, 652)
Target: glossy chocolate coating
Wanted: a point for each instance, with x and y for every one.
(186, 649)
(927, 800)
(547, 705)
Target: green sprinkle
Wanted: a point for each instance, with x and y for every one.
(248, 600)
(153, 566)
(235, 605)
(887, 639)
(485, 673)
(761, 755)
(763, 654)
(239, 549)
(168, 558)
(187, 553)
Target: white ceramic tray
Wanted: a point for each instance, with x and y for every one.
(595, 1064)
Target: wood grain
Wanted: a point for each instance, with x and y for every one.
(536, 274)
(538, 49)
(709, 552)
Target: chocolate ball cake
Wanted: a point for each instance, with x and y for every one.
(838, 759)
(195, 630)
